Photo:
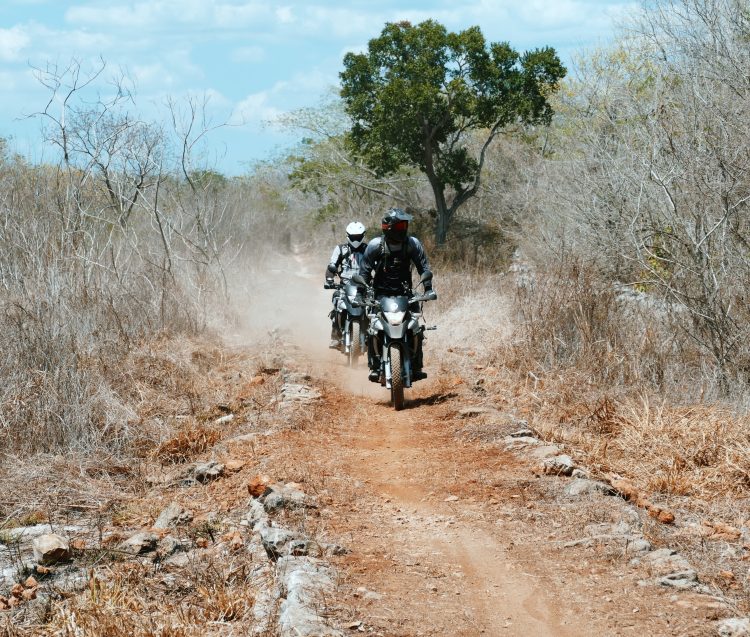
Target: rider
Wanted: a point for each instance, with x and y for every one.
(345, 261)
(391, 257)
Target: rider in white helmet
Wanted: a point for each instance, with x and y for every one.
(344, 262)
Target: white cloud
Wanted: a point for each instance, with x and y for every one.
(125, 17)
(8, 80)
(12, 42)
(236, 16)
(248, 54)
(285, 15)
(255, 109)
(268, 105)
(164, 14)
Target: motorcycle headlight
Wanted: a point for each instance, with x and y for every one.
(395, 318)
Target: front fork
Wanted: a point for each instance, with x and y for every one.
(347, 333)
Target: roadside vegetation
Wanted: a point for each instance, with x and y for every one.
(594, 281)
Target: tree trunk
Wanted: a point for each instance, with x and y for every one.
(443, 215)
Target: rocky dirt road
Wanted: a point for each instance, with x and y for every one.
(450, 518)
(452, 531)
(454, 536)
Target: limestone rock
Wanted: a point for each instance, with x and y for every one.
(544, 451)
(305, 583)
(513, 443)
(734, 627)
(173, 515)
(50, 548)
(666, 561)
(682, 580)
(561, 465)
(288, 496)
(139, 543)
(581, 486)
(275, 541)
(170, 545)
(207, 471)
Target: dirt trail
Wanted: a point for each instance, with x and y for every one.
(447, 536)
(409, 465)
(463, 582)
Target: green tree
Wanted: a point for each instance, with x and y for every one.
(419, 93)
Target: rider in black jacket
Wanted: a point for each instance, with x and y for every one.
(388, 261)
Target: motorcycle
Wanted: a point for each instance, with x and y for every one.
(395, 332)
(351, 318)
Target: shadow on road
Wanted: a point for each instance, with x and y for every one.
(432, 399)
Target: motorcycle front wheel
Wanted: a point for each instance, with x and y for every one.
(355, 346)
(397, 379)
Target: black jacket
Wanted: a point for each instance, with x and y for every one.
(392, 270)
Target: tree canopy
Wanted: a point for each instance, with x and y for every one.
(420, 91)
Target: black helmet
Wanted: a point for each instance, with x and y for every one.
(396, 224)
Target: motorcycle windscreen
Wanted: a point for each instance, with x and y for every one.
(395, 311)
(394, 304)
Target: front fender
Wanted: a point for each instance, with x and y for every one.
(394, 332)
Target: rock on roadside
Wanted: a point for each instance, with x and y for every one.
(305, 584)
(139, 543)
(734, 627)
(172, 515)
(50, 548)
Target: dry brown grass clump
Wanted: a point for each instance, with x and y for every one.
(187, 444)
(137, 601)
(599, 372)
(698, 450)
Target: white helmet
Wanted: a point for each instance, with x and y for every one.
(355, 232)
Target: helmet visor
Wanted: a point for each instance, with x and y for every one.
(356, 237)
(397, 226)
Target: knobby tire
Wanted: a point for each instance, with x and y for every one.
(397, 380)
(355, 347)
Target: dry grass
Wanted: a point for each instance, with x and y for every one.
(110, 497)
(188, 443)
(598, 373)
(136, 601)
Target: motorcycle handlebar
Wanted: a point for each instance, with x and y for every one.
(375, 303)
(430, 296)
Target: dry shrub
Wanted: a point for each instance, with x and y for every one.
(570, 317)
(700, 450)
(133, 602)
(188, 443)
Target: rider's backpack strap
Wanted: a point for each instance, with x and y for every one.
(344, 252)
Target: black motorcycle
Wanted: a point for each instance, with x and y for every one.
(351, 318)
(395, 336)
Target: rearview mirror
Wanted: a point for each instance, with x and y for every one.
(357, 278)
(426, 276)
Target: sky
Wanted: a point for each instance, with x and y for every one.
(251, 61)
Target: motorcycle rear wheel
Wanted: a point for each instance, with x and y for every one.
(397, 380)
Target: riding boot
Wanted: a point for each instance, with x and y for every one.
(335, 336)
(417, 373)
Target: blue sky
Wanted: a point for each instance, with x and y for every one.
(254, 60)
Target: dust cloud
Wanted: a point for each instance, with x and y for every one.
(284, 301)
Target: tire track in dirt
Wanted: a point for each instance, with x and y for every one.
(410, 467)
(488, 562)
